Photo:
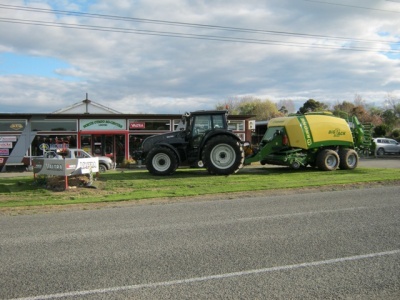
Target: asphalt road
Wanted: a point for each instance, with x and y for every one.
(328, 245)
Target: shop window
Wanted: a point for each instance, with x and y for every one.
(135, 141)
(236, 125)
(42, 143)
(12, 125)
(7, 144)
(54, 125)
(178, 124)
(86, 143)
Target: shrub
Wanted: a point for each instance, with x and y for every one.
(396, 134)
(126, 162)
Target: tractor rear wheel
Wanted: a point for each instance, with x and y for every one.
(348, 159)
(223, 155)
(161, 161)
(327, 160)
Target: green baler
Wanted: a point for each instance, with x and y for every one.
(315, 139)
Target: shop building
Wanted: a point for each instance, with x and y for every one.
(97, 129)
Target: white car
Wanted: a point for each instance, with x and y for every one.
(386, 146)
(105, 163)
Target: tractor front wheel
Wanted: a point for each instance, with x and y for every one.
(161, 161)
(223, 155)
(327, 160)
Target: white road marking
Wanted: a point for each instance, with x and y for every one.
(211, 277)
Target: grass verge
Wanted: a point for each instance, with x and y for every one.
(139, 185)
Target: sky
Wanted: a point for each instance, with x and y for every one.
(173, 56)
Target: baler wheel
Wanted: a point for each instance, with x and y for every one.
(328, 160)
(348, 159)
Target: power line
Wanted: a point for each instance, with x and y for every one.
(184, 24)
(187, 35)
(354, 6)
(191, 36)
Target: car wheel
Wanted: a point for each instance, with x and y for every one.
(102, 168)
(380, 152)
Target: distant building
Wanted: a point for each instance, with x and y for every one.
(93, 127)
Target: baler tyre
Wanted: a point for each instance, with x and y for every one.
(348, 159)
(327, 160)
(161, 161)
(223, 155)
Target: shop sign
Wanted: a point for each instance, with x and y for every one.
(6, 145)
(103, 124)
(16, 126)
(65, 167)
(8, 138)
(137, 125)
(4, 152)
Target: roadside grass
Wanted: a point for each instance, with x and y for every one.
(136, 185)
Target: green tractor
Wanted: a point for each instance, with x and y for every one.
(202, 139)
(314, 139)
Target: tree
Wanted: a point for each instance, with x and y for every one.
(344, 107)
(396, 134)
(288, 105)
(362, 114)
(230, 104)
(380, 130)
(389, 118)
(393, 103)
(263, 110)
(312, 105)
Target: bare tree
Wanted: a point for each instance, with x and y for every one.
(287, 104)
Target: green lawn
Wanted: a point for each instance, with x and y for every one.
(139, 184)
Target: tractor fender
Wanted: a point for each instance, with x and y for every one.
(169, 147)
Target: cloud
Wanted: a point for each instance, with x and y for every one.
(136, 64)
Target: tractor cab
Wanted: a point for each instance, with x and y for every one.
(200, 123)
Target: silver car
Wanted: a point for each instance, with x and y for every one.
(386, 146)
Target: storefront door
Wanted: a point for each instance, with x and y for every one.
(111, 145)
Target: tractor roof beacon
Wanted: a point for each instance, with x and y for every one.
(202, 139)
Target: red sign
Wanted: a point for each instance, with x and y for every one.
(4, 152)
(137, 125)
